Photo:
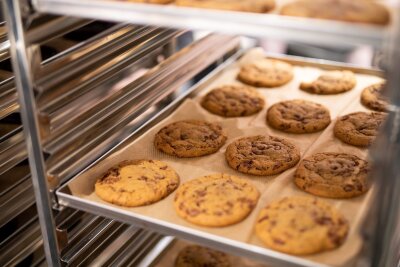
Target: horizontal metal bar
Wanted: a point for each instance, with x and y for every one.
(80, 236)
(156, 251)
(77, 50)
(71, 115)
(21, 245)
(76, 61)
(54, 28)
(76, 253)
(15, 201)
(12, 152)
(4, 50)
(250, 24)
(100, 244)
(118, 246)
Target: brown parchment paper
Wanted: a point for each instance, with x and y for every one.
(170, 254)
(271, 187)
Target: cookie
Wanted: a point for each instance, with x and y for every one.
(215, 200)
(198, 256)
(301, 226)
(330, 83)
(372, 98)
(190, 138)
(262, 155)
(233, 101)
(266, 73)
(334, 175)
(257, 6)
(359, 128)
(344, 10)
(137, 183)
(298, 116)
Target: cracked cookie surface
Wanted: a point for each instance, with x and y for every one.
(301, 226)
(190, 138)
(266, 73)
(258, 6)
(372, 98)
(215, 200)
(330, 83)
(262, 155)
(198, 256)
(233, 101)
(333, 175)
(298, 116)
(359, 128)
(137, 183)
(352, 11)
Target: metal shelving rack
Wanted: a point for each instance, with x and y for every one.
(64, 136)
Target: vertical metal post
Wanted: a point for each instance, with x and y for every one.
(24, 85)
(386, 154)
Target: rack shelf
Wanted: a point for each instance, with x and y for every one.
(250, 24)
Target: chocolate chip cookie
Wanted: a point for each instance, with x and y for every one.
(233, 101)
(266, 73)
(330, 83)
(334, 175)
(372, 98)
(215, 200)
(257, 6)
(190, 138)
(262, 155)
(351, 11)
(298, 116)
(198, 256)
(359, 128)
(301, 226)
(137, 183)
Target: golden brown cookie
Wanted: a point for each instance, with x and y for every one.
(266, 73)
(198, 256)
(372, 98)
(334, 175)
(262, 155)
(258, 6)
(190, 138)
(359, 128)
(344, 10)
(215, 200)
(298, 116)
(233, 101)
(301, 226)
(331, 82)
(137, 183)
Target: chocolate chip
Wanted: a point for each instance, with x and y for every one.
(348, 188)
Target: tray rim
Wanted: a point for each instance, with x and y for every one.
(233, 22)
(65, 198)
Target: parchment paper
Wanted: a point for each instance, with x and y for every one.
(169, 256)
(271, 187)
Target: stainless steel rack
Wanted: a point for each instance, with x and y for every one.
(79, 104)
(83, 238)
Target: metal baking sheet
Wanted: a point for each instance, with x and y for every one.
(252, 250)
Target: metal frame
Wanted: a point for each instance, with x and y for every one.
(385, 248)
(257, 25)
(24, 84)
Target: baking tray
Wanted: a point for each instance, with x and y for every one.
(254, 249)
(269, 25)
